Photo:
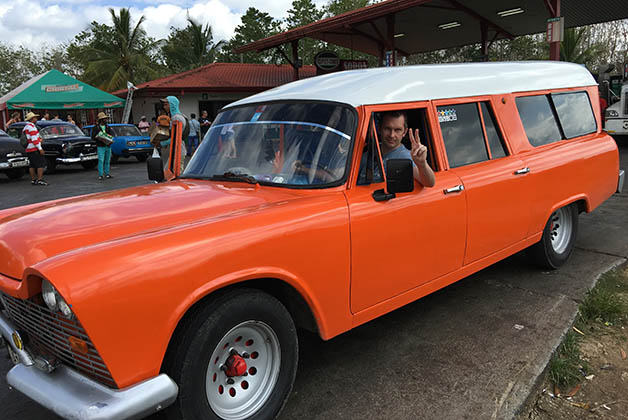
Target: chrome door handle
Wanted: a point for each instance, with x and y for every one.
(457, 188)
(522, 171)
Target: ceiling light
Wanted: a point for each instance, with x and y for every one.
(399, 35)
(510, 12)
(449, 25)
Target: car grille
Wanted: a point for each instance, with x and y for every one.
(48, 333)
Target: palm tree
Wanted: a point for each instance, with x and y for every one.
(203, 47)
(571, 49)
(126, 58)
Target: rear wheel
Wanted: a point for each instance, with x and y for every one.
(234, 359)
(114, 158)
(559, 238)
(141, 158)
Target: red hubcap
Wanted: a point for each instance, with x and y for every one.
(236, 366)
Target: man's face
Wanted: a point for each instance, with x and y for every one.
(392, 131)
(204, 115)
(167, 106)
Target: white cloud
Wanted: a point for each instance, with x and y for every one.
(47, 22)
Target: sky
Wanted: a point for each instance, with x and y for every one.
(37, 23)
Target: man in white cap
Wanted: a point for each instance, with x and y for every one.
(34, 151)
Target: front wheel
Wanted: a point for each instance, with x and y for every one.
(16, 173)
(89, 164)
(142, 157)
(234, 359)
(559, 238)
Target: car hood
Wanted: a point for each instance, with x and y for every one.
(68, 139)
(38, 233)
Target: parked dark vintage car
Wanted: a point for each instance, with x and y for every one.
(128, 141)
(13, 160)
(64, 143)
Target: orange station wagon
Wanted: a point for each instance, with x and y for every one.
(294, 212)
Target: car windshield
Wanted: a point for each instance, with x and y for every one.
(288, 144)
(126, 130)
(57, 131)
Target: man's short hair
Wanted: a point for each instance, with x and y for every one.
(396, 114)
(193, 115)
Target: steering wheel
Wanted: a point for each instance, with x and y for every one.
(321, 173)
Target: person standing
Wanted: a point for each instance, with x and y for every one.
(34, 151)
(70, 119)
(205, 123)
(143, 125)
(46, 117)
(104, 149)
(171, 105)
(195, 133)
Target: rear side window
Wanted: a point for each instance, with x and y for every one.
(574, 113)
(462, 134)
(538, 119)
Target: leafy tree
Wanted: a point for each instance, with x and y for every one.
(190, 47)
(304, 12)
(255, 25)
(338, 7)
(17, 65)
(112, 55)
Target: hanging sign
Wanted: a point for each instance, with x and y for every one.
(555, 29)
(326, 61)
(62, 88)
(353, 64)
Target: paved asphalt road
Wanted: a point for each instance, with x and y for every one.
(473, 350)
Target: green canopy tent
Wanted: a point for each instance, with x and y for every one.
(55, 90)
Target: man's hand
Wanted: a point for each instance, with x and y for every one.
(419, 151)
(41, 152)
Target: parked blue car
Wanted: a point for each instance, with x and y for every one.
(127, 141)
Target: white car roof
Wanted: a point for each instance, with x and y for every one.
(426, 82)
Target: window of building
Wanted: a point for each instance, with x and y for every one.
(574, 113)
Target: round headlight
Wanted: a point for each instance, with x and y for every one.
(50, 295)
(611, 113)
(54, 300)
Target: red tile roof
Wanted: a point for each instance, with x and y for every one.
(227, 77)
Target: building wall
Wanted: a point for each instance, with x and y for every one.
(189, 103)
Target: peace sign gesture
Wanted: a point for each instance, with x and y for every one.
(419, 151)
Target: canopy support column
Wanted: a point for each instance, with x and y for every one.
(554, 8)
(295, 58)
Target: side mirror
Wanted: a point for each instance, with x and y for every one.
(399, 179)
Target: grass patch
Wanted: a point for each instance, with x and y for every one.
(604, 304)
(566, 367)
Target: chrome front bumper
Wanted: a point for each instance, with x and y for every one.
(74, 396)
(620, 181)
(81, 158)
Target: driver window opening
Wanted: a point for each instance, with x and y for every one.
(416, 118)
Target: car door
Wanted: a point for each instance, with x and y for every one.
(407, 241)
(496, 183)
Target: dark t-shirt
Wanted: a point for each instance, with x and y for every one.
(205, 123)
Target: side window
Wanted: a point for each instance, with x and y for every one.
(574, 113)
(462, 134)
(495, 142)
(370, 166)
(538, 119)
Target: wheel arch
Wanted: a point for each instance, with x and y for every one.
(581, 200)
(296, 304)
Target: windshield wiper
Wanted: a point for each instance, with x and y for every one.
(231, 176)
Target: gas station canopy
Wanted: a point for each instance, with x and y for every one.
(415, 26)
